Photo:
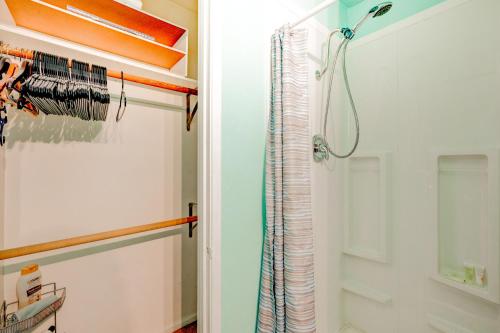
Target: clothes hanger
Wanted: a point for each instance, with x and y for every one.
(4, 65)
(38, 86)
(55, 89)
(23, 72)
(3, 121)
(7, 74)
(100, 93)
(123, 98)
(7, 69)
(15, 83)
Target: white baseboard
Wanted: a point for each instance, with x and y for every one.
(186, 320)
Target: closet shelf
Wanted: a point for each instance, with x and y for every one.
(53, 17)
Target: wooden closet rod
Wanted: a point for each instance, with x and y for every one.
(68, 242)
(27, 54)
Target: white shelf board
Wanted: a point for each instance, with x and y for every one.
(158, 72)
(360, 289)
(473, 290)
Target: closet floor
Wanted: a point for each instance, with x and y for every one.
(191, 328)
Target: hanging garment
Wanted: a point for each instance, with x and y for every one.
(286, 303)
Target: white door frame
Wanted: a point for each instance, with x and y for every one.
(209, 170)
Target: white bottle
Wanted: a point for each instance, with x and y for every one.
(480, 275)
(29, 285)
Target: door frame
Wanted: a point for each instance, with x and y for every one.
(209, 170)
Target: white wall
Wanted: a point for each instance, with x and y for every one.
(66, 177)
(427, 85)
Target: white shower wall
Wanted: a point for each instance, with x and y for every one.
(421, 194)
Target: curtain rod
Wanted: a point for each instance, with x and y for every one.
(28, 54)
(74, 241)
(319, 8)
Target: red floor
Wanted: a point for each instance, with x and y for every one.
(188, 329)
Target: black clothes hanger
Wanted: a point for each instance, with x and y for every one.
(4, 65)
(55, 89)
(123, 101)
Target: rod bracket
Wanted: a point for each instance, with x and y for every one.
(191, 225)
(190, 114)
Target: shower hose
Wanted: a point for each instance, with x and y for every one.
(342, 48)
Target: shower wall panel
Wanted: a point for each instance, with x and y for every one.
(424, 85)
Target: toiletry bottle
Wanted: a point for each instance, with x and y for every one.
(480, 275)
(470, 273)
(29, 286)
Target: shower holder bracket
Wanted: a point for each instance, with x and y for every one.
(318, 74)
(348, 33)
(320, 148)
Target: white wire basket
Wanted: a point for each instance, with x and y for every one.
(38, 318)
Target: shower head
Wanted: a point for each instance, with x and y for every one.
(376, 11)
(381, 9)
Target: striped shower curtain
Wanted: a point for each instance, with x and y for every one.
(286, 303)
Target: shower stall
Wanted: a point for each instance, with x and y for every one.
(406, 229)
(406, 187)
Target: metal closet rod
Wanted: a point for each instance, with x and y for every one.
(28, 54)
(68, 242)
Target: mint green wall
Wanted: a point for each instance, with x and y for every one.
(243, 137)
(401, 10)
(245, 58)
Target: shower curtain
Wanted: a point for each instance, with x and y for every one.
(286, 303)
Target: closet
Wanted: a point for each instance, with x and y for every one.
(98, 163)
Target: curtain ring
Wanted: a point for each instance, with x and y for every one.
(123, 101)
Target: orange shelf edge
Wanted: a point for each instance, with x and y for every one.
(52, 20)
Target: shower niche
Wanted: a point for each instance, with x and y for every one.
(367, 199)
(465, 208)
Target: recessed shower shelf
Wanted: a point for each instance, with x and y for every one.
(464, 198)
(367, 206)
(481, 292)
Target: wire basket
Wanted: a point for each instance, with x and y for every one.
(36, 319)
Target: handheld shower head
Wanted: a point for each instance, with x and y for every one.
(322, 149)
(376, 11)
(381, 9)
